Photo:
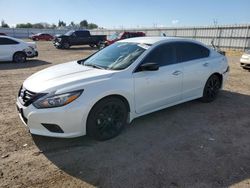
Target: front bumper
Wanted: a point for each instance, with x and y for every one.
(245, 63)
(71, 120)
(31, 54)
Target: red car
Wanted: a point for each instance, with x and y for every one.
(42, 36)
(124, 35)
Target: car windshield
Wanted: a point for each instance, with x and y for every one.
(113, 36)
(69, 33)
(117, 56)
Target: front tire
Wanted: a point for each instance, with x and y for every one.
(19, 57)
(211, 89)
(66, 45)
(107, 119)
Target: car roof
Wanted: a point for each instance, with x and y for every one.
(153, 40)
(16, 39)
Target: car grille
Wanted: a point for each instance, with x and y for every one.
(27, 97)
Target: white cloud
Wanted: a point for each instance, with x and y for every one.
(174, 22)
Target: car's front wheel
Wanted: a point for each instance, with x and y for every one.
(19, 57)
(211, 89)
(107, 118)
(66, 45)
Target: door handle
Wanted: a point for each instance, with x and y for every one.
(176, 73)
(205, 64)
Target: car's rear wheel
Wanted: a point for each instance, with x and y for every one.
(19, 57)
(107, 118)
(211, 89)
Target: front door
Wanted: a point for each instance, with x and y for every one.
(155, 89)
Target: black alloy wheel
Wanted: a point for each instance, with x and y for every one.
(19, 57)
(212, 88)
(107, 119)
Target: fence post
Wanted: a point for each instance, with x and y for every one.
(219, 37)
(246, 38)
(230, 41)
(194, 33)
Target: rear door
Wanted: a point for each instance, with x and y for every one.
(7, 48)
(196, 67)
(155, 89)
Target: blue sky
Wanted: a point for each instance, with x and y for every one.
(127, 13)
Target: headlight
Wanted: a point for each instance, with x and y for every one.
(32, 47)
(57, 100)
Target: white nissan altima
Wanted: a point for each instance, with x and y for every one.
(100, 94)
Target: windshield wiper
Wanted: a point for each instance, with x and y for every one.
(94, 66)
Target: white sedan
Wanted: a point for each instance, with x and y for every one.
(16, 50)
(100, 94)
(245, 60)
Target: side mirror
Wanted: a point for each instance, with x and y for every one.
(149, 67)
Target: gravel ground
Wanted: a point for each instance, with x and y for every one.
(188, 145)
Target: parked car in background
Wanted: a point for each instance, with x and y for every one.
(16, 50)
(123, 35)
(42, 36)
(3, 34)
(78, 37)
(245, 60)
(98, 95)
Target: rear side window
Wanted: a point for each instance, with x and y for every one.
(82, 33)
(7, 41)
(163, 55)
(187, 51)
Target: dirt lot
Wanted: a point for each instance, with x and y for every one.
(189, 145)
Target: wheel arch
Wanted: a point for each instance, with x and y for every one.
(219, 76)
(119, 96)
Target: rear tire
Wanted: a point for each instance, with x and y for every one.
(19, 57)
(107, 119)
(211, 89)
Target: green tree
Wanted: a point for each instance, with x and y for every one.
(61, 23)
(23, 25)
(38, 26)
(72, 24)
(92, 26)
(3, 24)
(84, 24)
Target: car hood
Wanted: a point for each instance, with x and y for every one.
(33, 44)
(61, 75)
(60, 36)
